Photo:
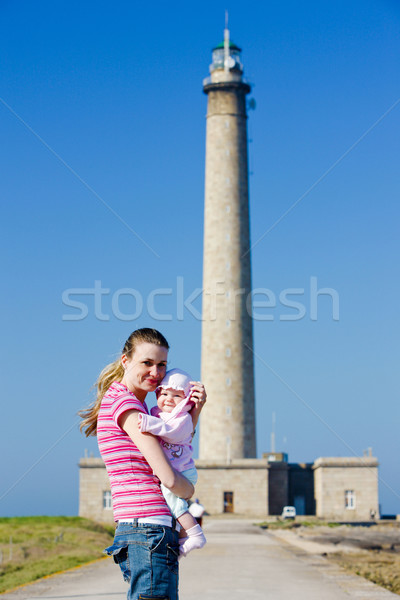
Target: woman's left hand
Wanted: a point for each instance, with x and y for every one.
(199, 398)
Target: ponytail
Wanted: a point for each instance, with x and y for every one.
(112, 372)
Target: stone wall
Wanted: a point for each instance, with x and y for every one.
(246, 478)
(260, 488)
(334, 478)
(93, 481)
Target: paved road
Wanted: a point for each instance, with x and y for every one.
(239, 562)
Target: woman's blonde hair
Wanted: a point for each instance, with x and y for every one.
(115, 372)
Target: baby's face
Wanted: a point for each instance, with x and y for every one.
(168, 398)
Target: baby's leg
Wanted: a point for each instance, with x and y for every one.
(191, 536)
(186, 521)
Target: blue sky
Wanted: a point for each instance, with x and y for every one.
(102, 108)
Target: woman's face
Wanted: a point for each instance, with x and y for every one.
(145, 369)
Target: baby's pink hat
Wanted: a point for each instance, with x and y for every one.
(176, 379)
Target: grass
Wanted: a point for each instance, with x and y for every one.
(293, 524)
(32, 547)
(381, 567)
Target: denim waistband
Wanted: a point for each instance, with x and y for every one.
(164, 521)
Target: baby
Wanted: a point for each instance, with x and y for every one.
(171, 422)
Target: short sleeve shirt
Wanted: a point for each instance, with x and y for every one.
(135, 489)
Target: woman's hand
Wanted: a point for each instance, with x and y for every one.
(180, 476)
(199, 397)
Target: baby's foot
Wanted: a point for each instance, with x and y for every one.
(195, 540)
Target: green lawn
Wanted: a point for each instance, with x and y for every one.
(294, 524)
(32, 547)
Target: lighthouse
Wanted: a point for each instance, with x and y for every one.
(227, 429)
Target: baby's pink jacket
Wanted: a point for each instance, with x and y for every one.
(175, 430)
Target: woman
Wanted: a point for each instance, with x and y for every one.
(146, 540)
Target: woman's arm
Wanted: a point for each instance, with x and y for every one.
(150, 448)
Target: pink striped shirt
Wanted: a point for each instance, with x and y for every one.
(135, 489)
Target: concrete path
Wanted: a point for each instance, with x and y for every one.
(239, 562)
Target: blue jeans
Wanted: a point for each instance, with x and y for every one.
(148, 558)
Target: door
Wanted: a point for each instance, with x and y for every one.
(228, 502)
(300, 505)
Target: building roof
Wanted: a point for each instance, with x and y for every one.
(346, 461)
(232, 46)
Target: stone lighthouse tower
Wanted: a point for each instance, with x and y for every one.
(227, 429)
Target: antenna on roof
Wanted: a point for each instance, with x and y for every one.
(273, 434)
(226, 43)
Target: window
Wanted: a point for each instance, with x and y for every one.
(107, 501)
(350, 499)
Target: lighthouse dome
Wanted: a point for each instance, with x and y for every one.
(219, 57)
